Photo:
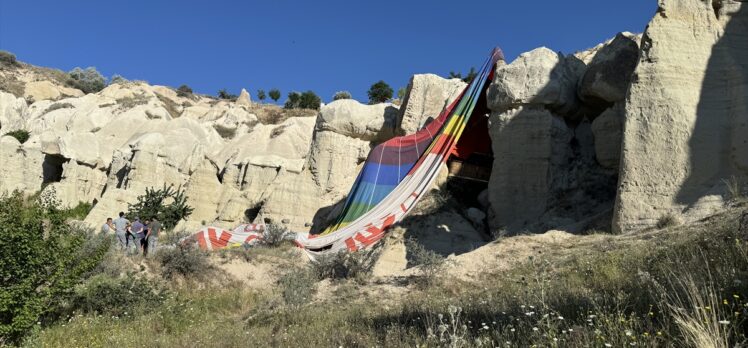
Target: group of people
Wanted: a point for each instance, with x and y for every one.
(136, 237)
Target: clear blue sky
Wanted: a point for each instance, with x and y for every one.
(324, 46)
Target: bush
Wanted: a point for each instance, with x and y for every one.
(20, 135)
(342, 95)
(430, 263)
(471, 75)
(298, 286)
(274, 94)
(261, 94)
(275, 235)
(153, 205)
(115, 296)
(356, 265)
(306, 100)
(42, 260)
(8, 58)
(379, 92)
(667, 220)
(184, 91)
(401, 93)
(118, 79)
(184, 261)
(88, 80)
(223, 94)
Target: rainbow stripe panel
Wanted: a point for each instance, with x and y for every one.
(397, 173)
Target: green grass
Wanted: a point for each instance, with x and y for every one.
(649, 290)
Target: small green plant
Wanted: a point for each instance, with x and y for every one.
(471, 75)
(274, 94)
(88, 80)
(8, 58)
(306, 100)
(115, 296)
(184, 91)
(275, 235)
(379, 92)
(401, 93)
(667, 220)
(298, 286)
(261, 94)
(430, 263)
(168, 205)
(356, 265)
(342, 95)
(21, 135)
(184, 261)
(116, 78)
(223, 94)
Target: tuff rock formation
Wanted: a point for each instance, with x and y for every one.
(686, 115)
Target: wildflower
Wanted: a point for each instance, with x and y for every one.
(724, 322)
(724, 302)
(659, 333)
(608, 345)
(736, 296)
(512, 330)
(534, 329)
(628, 332)
(560, 318)
(708, 308)
(571, 330)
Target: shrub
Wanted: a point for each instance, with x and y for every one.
(734, 189)
(275, 235)
(8, 58)
(118, 79)
(261, 94)
(79, 212)
(471, 75)
(223, 94)
(379, 92)
(184, 91)
(428, 261)
(184, 261)
(274, 94)
(342, 95)
(57, 106)
(153, 204)
(20, 135)
(401, 93)
(298, 286)
(42, 260)
(356, 265)
(87, 80)
(306, 100)
(667, 220)
(115, 296)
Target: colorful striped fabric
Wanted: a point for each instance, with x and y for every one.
(214, 238)
(397, 173)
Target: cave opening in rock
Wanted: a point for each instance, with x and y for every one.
(52, 168)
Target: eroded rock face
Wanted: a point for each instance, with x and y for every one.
(686, 114)
(608, 131)
(608, 74)
(427, 96)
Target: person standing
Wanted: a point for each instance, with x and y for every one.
(138, 232)
(107, 226)
(152, 237)
(120, 230)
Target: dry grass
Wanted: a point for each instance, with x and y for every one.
(274, 114)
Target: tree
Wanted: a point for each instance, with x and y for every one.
(379, 92)
(184, 91)
(306, 100)
(223, 94)
(293, 100)
(401, 93)
(342, 95)
(261, 94)
(274, 94)
(154, 204)
(88, 80)
(43, 260)
(310, 100)
(471, 75)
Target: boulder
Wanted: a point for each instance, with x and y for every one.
(540, 77)
(244, 98)
(608, 75)
(425, 98)
(350, 118)
(686, 115)
(608, 132)
(12, 112)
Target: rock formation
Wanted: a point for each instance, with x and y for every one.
(686, 115)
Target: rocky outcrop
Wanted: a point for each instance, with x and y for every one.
(21, 167)
(554, 160)
(427, 95)
(686, 115)
(608, 74)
